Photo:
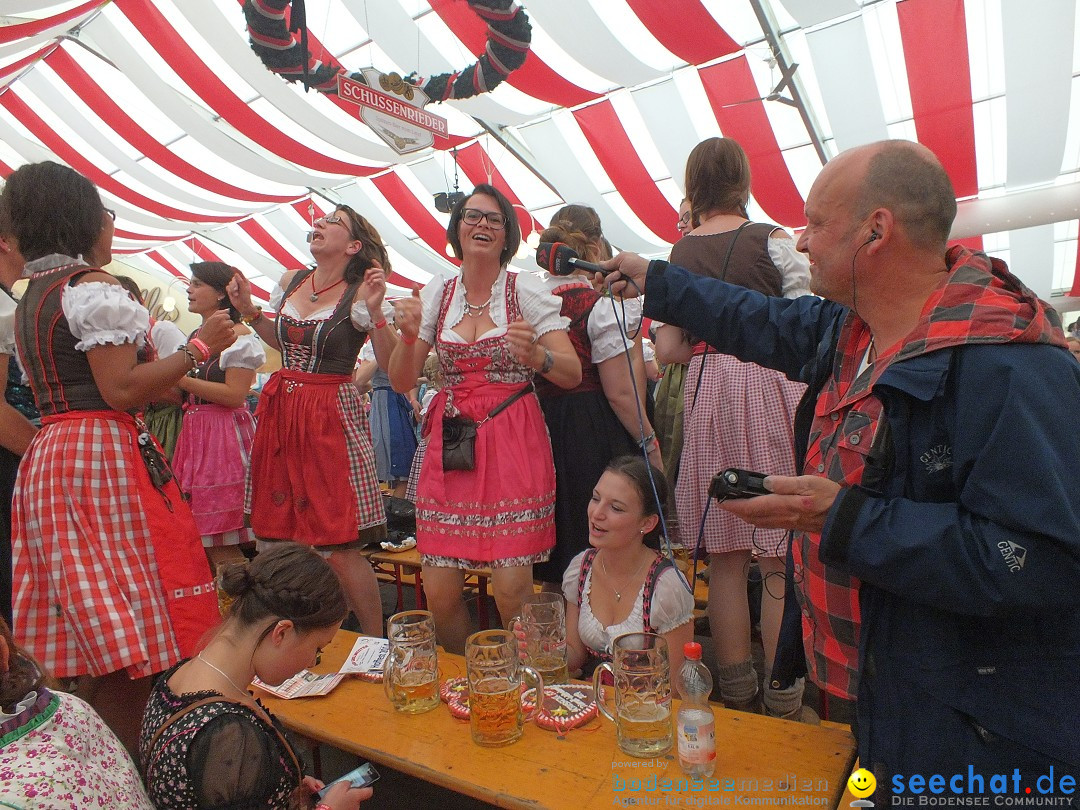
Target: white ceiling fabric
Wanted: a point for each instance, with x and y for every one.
(613, 96)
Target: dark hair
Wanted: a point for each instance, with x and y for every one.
(506, 208)
(289, 581)
(637, 470)
(217, 275)
(717, 178)
(50, 208)
(371, 250)
(128, 283)
(909, 181)
(23, 674)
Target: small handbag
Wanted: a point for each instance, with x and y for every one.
(459, 434)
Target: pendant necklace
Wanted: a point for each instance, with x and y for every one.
(607, 576)
(224, 675)
(473, 310)
(316, 293)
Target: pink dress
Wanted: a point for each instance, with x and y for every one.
(502, 513)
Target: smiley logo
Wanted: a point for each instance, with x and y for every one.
(862, 783)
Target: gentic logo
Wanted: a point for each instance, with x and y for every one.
(1013, 554)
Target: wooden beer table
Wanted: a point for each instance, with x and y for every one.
(760, 761)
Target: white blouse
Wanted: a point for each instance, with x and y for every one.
(794, 267)
(100, 313)
(247, 352)
(672, 606)
(7, 324)
(168, 338)
(605, 324)
(538, 306)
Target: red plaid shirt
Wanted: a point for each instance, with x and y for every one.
(981, 302)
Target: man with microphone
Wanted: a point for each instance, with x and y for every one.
(935, 568)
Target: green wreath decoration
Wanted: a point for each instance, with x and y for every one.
(273, 40)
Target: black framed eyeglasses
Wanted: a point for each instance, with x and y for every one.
(684, 218)
(344, 219)
(111, 213)
(472, 216)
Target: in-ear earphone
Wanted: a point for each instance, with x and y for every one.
(874, 236)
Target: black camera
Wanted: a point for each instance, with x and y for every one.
(445, 201)
(732, 483)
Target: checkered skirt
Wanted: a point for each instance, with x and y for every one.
(741, 416)
(88, 593)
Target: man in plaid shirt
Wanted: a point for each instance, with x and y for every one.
(936, 562)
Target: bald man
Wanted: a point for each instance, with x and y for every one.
(936, 559)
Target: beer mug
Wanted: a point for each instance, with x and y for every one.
(640, 669)
(411, 672)
(543, 624)
(495, 670)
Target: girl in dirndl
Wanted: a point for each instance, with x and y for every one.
(312, 465)
(111, 581)
(493, 331)
(214, 446)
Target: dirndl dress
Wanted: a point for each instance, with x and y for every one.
(213, 452)
(585, 432)
(109, 571)
(312, 475)
(500, 514)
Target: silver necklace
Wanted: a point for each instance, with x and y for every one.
(617, 591)
(223, 674)
(473, 310)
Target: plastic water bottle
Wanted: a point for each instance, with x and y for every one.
(697, 728)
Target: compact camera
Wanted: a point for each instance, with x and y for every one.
(733, 483)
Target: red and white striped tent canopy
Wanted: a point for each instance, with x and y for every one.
(204, 153)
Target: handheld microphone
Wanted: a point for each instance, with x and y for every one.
(310, 236)
(560, 259)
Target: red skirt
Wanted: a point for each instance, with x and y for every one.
(505, 507)
(312, 465)
(109, 572)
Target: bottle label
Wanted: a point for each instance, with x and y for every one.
(697, 741)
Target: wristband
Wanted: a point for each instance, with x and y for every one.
(549, 361)
(251, 320)
(380, 324)
(190, 356)
(408, 341)
(201, 346)
(647, 441)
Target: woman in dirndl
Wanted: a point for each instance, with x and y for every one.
(214, 446)
(493, 331)
(112, 584)
(312, 465)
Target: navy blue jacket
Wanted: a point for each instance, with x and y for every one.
(968, 550)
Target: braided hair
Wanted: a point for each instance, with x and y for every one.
(289, 581)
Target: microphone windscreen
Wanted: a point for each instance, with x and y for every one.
(555, 258)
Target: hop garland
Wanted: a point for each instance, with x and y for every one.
(272, 39)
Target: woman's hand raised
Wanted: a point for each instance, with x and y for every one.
(217, 332)
(373, 290)
(239, 290)
(407, 314)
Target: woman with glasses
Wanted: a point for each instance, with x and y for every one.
(313, 476)
(206, 741)
(493, 332)
(111, 583)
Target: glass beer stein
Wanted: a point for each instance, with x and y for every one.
(495, 671)
(543, 624)
(642, 675)
(411, 673)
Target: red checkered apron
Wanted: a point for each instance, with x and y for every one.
(109, 572)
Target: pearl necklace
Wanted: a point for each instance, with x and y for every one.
(474, 310)
(224, 675)
(617, 591)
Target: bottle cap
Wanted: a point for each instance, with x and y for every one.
(692, 649)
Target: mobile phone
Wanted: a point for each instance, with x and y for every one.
(733, 483)
(360, 777)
